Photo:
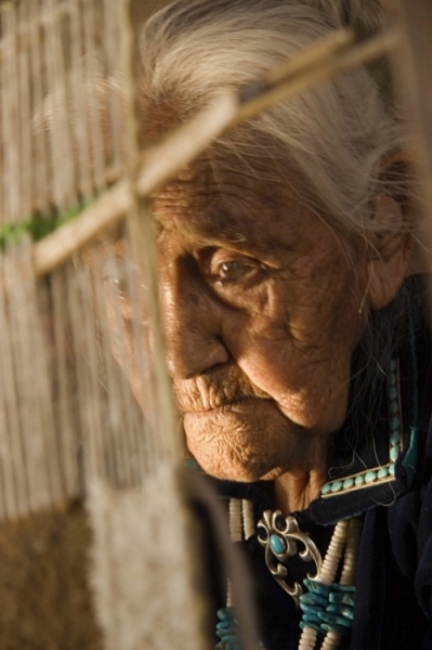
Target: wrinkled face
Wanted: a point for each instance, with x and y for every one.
(260, 303)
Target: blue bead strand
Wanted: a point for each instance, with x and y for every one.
(227, 630)
(327, 608)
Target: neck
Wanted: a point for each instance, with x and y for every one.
(295, 489)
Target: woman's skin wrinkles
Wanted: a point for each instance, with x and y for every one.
(260, 301)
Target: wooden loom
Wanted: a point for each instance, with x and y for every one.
(92, 490)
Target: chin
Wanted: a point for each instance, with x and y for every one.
(242, 442)
(232, 470)
(236, 471)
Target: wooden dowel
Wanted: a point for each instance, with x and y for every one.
(165, 159)
(159, 164)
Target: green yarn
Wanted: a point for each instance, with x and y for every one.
(37, 227)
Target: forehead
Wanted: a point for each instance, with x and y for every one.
(231, 199)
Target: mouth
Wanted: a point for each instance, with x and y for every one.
(239, 405)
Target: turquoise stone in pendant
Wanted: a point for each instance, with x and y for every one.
(310, 601)
(370, 476)
(392, 469)
(277, 544)
(360, 480)
(311, 620)
(334, 619)
(315, 587)
(342, 598)
(326, 488)
(310, 608)
(332, 627)
(336, 486)
(394, 453)
(223, 628)
(394, 438)
(383, 472)
(348, 483)
(343, 611)
(394, 423)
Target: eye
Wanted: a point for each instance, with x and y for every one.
(115, 278)
(233, 271)
(227, 268)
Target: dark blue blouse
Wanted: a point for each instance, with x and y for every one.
(393, 599)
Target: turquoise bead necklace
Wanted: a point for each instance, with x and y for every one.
(383, 473)
(327, 607)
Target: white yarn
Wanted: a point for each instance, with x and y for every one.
(248, 519)
(334, 553)
(235, 520)
(236, 535)
(351, 552)
(307, 639)
(143, 600)
(331, 641)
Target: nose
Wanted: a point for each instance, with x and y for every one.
(192, 323)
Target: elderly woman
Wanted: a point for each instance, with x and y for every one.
(295, 340)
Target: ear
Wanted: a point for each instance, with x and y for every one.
(391, 247)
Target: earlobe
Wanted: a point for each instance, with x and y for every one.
(391, 246)
(387, 272)
(390, 252)
(386, 277)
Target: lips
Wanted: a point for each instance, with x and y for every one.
(212, 411)
(241, 405)
(206, 395)
(204, 403)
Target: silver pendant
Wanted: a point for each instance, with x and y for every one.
(280, 538)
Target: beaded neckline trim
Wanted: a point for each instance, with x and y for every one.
(383, 473)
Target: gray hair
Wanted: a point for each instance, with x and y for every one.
(333, 136)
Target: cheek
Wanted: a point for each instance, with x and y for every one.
(300, 355)
(311, 391)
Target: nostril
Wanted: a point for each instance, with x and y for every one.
(193, 352)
